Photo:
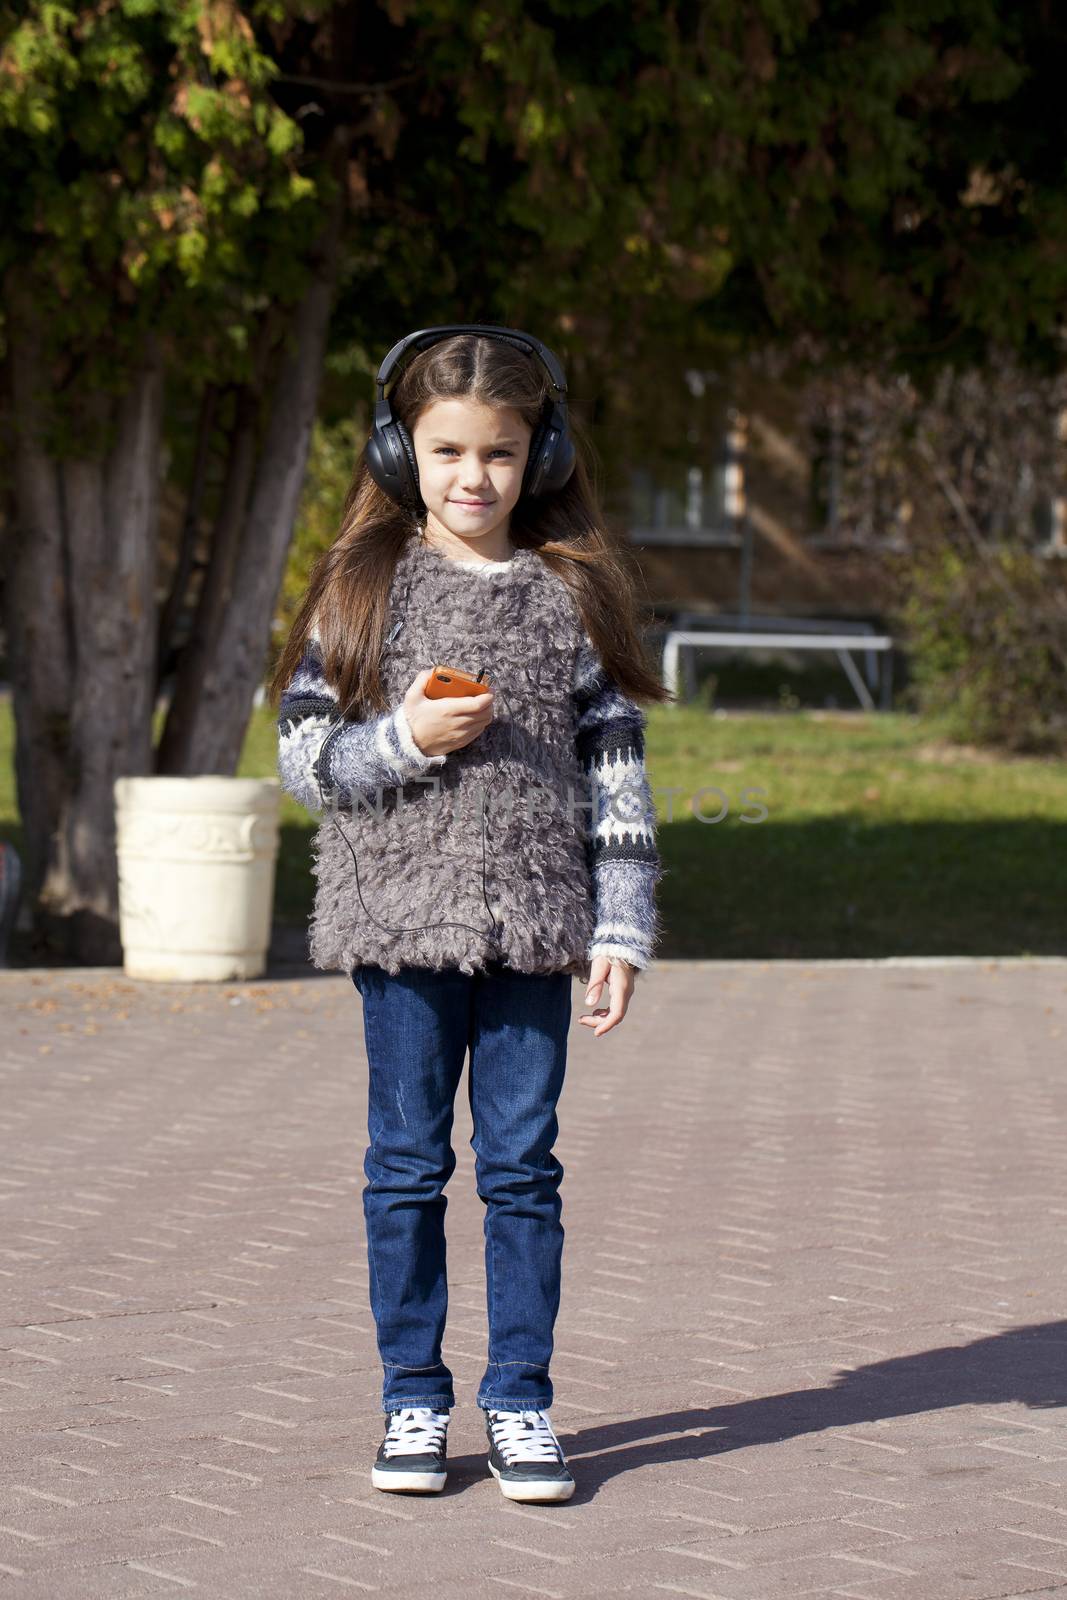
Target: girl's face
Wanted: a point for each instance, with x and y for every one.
(471, 460)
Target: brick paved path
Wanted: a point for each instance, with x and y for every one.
(814, 1326)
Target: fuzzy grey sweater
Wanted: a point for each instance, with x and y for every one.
(571, 862)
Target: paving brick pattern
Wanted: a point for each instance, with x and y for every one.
(814, 1327)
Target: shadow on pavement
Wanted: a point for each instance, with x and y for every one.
(1026, 1364)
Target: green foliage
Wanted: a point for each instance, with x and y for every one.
(986, 640)
(963, 474)
(627, 180)
(150, 180)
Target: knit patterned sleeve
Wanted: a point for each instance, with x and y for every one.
(316, 745)
(624, 857)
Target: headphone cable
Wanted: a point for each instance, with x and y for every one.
(493, 936)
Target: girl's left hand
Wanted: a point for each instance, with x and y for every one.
(620, 981)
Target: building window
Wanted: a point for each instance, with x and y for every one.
(701, 502)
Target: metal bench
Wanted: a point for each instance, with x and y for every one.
(725, 632)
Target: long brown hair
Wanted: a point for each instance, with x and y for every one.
(347, 600)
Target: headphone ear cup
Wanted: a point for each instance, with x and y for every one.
(408, 448)
(390, 458)
(560, 464)
(548, 469)
(533, 476)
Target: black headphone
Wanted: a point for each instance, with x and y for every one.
(390, 454)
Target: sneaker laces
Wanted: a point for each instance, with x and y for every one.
(415, 1430)
(524, 1436)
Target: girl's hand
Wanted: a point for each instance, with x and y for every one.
(439, 726)
(620, 981)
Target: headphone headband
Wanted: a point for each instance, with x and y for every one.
(423, 338)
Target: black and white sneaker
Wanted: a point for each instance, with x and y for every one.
(413, 1455)
(525, 1456)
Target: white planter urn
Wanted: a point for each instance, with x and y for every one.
(196, 863)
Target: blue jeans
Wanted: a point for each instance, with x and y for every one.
(418, 1026)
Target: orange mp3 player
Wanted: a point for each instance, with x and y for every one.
(446, 682)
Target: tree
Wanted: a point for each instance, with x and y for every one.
(160, 203)
(205, 197)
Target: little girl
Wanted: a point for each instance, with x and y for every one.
(461, 904)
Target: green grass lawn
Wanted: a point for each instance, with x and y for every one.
(880, 837)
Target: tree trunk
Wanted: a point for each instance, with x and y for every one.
(222, 668)
(82, 628)
(176, 744)
(40, 646)
(170, 614)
